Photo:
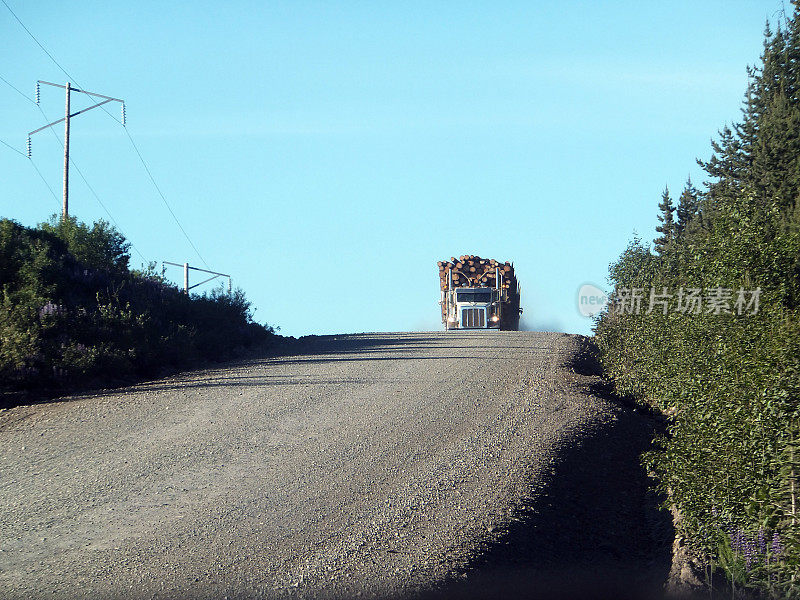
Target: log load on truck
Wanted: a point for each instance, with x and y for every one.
(479, 293)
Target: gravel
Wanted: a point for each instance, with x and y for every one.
(373, 466)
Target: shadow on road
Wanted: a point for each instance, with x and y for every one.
(286, 351)
(594, 531)
(308, 349)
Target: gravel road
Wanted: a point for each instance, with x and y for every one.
(375, 465)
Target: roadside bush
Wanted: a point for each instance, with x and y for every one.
(72, 313)
(728, 379)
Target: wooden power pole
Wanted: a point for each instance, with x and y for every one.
(65, 204)
(67, 117)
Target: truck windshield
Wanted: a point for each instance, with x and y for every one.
(482, 296)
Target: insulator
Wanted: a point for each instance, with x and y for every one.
(123, 114)
(29, 146)
(37, 92)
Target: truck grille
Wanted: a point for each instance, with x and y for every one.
(473, 317)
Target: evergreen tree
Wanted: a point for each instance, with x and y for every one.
(776, 155)
(726, 165)
(761, 154)
(667, 226)
(688, 205)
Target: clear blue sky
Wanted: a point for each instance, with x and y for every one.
(327, 154)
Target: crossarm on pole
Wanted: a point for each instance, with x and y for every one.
(214, 274)
(205, 281)
(74, 89)
(62, 119)
(166, 262)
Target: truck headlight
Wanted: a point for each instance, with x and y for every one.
(495, 318)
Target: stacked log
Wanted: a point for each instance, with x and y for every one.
(473, 271)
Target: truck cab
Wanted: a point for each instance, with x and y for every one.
(473, 308)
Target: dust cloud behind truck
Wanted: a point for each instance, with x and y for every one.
(479, 293)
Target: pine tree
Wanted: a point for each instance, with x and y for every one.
(688, 206)
(667, 226)
(726, 165)
(793, 52)
(761, 154)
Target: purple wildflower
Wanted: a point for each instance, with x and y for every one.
(750, 546)
(776, 547)
(48, 309)
(51, 309)
(749, 552)
(736, 540)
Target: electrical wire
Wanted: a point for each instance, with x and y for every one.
(139, 154)
(20, 152)
(7, 145)
(58, 64)
(110, 216)
(49, 187)
(16, 89)
(39, 173)
(164, 199)
(33, 37)
(33, 164)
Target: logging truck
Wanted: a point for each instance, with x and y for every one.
(478, 293)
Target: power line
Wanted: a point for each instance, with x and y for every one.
(100, 202)
(16, 89)
(58, 64)
(49, 187)
(138, 153)
(33, 164)
(72, 161)
(164, 199)
(6, 144)
(33, 37)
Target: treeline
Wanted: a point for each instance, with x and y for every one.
(706, 328)
(72, 312)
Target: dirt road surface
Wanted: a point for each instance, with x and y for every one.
(470, 464)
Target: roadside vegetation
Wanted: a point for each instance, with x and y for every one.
(73, 314)
(725, 368)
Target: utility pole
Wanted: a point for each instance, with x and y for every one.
(67, 117)
(65, 205)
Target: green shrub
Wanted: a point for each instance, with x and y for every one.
(729, 383)
(72, 313)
